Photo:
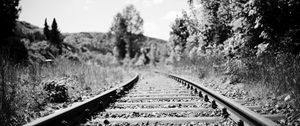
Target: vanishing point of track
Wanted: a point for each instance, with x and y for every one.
(157, 99)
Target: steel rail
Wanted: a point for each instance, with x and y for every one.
(243, 113)
(77, 113)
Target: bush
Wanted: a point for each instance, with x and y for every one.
(56, 93)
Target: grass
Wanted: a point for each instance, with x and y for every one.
(265, 78)
(275, 76)
(23, 96)
(201, 66)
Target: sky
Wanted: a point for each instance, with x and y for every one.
(97, 15)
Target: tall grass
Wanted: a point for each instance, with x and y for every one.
(23, 97)
(277, 75)
(264, 76)
(203, 66)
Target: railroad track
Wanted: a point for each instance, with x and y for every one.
(158, 99)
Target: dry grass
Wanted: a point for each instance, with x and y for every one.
(23, 97)
(275, 76)
(264, 77)
(202, 66)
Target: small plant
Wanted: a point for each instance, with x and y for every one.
(56, 93)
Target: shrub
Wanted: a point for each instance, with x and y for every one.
(56, 93)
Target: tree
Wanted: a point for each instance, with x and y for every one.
(56, 37)
(134, 21)
(179, 34)
(119, 30)
(278, 23)
(207, 24)
(46, 30)
(128, 30)
(10, 46)
(134, 26)
(9, 13)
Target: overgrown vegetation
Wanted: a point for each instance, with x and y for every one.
(35, 91)
(252, 41)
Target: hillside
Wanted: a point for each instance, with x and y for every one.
(26, 28)
(103, 43)
(29, 31)
(83, 45)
